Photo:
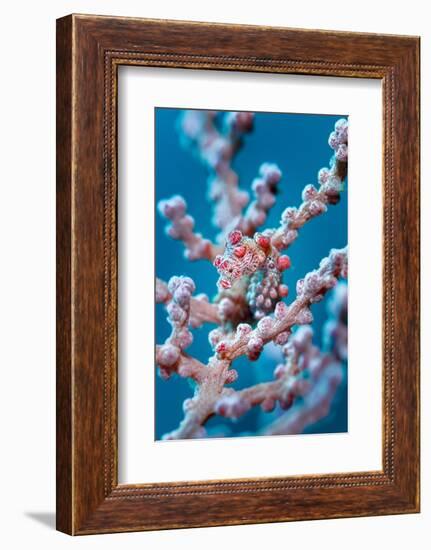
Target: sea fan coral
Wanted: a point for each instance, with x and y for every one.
(253, 308)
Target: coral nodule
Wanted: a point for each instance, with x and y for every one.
(252, 306)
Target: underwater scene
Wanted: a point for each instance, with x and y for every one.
(251, 273)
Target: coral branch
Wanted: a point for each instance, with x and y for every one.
(315, 201)
(314, 406)
(250, 309)
(181, 228)
(264, 189)
(287, 385)
(199, 408)
(211, 395)
(311, 289)
(325, 371)
(201, 309)
(180, 290)
(323, 375)
(216, 148)
(257, 256)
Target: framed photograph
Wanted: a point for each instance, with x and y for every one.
(237, 274)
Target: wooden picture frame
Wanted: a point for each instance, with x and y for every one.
(89, 51)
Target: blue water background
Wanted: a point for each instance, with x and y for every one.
(298, 144)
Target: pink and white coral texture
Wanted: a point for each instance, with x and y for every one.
(251, 323)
